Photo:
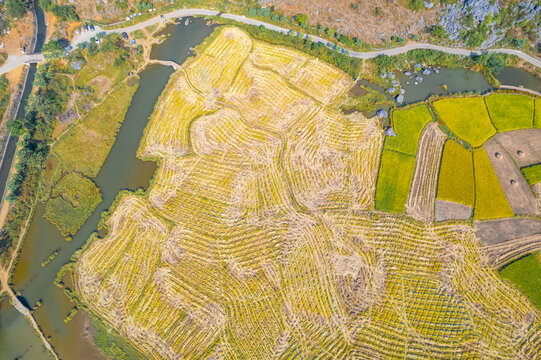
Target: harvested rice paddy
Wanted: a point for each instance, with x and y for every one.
(255, 238)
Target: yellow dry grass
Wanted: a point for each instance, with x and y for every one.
(253, 241)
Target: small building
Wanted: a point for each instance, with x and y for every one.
(389, 131)
(419, 79)
(436, 71)
(400, 98)
(407, 73)
(382, 114)
(426, 72)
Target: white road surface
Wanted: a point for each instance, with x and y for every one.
(14, 61)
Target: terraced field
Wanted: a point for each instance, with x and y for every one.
(257, 239)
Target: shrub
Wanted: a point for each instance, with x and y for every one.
(16, 8)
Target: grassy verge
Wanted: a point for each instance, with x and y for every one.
(456, 182)
(408, 125)
(111, 343)
(532, 173)
(85, 147)
(72, 201)
(394, 180)
(490, 200)
(368, 100)
(525, 273)
(467, 118)
(510, 112)
(537, 115)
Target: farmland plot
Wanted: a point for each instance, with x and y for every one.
(425, 179)
(510, 112)
(467, 118)
(253, 241)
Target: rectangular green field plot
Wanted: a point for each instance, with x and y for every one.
(467, 118)
(456, 182)
(490, 200)
(394, 180)
(525, 273)
(510, 112)
(408, 125)
(532, 173)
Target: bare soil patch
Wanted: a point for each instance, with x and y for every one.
(360, 19)
(516, 189)
(449, 210)
(527, 141)
(498, 231)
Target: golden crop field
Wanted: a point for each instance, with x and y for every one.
(257, 239)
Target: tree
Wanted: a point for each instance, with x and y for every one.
(301, 19)
(439, 32)
(16, 127)
(54, 49)
(16, 8)
(495, 63)
(143, 5)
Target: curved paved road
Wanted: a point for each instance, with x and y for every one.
(15, 61)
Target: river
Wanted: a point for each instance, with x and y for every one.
(122, 170)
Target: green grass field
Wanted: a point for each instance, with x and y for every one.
(86, 146)
(467, 118)
(408, 125)
(394, 180)
(490, 200)
(456, 182)
(537, 117)
(72, 201)
(525, 273)
(532, 173)
(510, 112)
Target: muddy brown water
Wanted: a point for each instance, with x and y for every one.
(122, 170)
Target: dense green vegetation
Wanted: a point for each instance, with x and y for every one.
(52, 90)
(490, 200)
(491, 64)
(72, 201)
(16, 8)
(48, 100)
(112, 344)
(4, 94)
(394, 180)
(63, 12)
(532, 173)
(456, 182)
(336, 57)
(467, 118)
(408, 125)
(525, 273)
(510, 112)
